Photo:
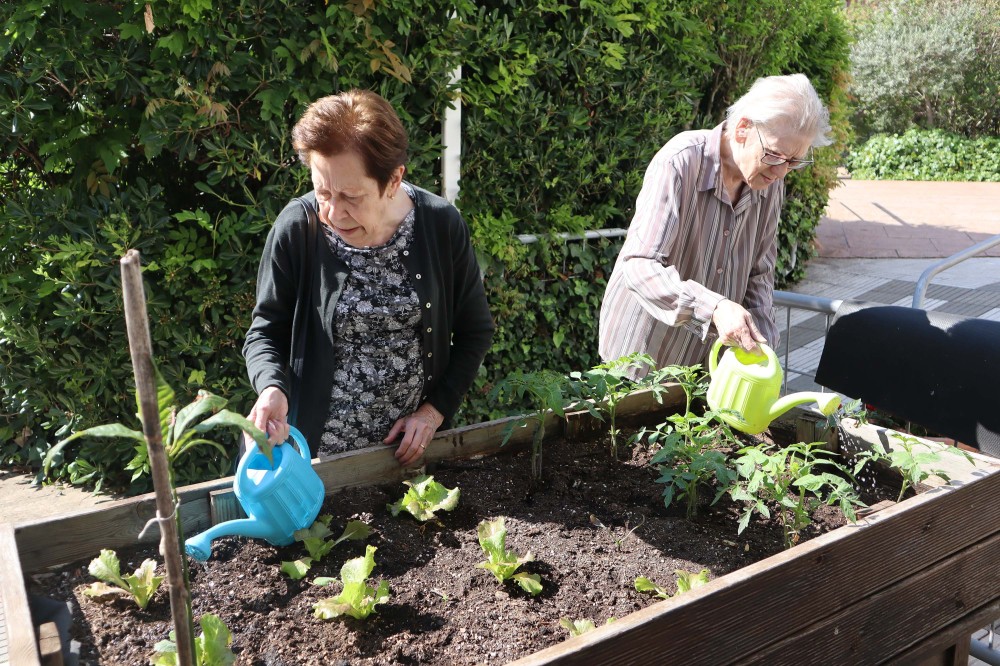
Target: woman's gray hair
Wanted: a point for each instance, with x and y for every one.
(786, 105)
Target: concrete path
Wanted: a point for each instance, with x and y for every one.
(900, 219)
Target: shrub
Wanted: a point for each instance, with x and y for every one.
(168, 132)
(927, 63)
(926, 155)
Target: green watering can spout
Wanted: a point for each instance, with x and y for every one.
(827, 402)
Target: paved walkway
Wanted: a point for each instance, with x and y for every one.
(876, 239)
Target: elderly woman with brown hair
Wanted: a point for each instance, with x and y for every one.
(698, 261)
(371, 319)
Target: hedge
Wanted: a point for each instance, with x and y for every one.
(167, 130)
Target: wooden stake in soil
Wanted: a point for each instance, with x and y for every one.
(171, 546)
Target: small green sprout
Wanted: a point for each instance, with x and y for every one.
(578, 627)
(357, 599)
(686, 581)
(424, 497)
(502, 562)
(211, 648)
(314, 538)
(141, 585)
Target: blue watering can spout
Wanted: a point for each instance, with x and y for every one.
(278, 499)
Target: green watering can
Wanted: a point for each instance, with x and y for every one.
(749, 385)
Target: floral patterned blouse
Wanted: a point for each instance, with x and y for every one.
(377, 343)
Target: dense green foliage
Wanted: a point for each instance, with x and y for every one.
(928, 64)
(168, 132)
(926, 155)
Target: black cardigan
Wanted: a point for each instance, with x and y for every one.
(457, 327)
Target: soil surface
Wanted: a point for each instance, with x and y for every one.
(594, 525)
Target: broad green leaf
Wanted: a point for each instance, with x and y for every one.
(144, 582)
(107, 568)
(424, 497)
(297, 569)
(232, 419)
(213, 644)
(576, 627)
(687, 581)
(110, 430)
(643, 584)
(530, 583)
(205, 403)
(358, 569)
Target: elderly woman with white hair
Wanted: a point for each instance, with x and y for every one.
(698, 261)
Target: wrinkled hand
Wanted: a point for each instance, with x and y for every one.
(736, 328)
(417, 430)
(270, 414)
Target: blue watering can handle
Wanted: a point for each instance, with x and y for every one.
(296, 438)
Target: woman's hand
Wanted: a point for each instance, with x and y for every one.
(270, 414)
(736, 328)
(417, 429)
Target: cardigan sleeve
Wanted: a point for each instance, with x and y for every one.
(472, 325)
(268, 341)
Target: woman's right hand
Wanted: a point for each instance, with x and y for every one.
(735, 327)
(270, 414)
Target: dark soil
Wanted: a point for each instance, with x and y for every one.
(594, 525)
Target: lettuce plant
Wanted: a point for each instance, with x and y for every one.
(424, 497)
(357, 599)
(314, 538)
(210, 649)
(141, 585)
(578, 627)
(686, 581)
(795, 479)
(502, 562)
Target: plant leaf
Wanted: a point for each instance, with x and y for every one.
(297, 569)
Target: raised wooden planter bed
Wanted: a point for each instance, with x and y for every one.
(908, 584)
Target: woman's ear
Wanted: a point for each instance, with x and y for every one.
(397, 178)
(741, 129)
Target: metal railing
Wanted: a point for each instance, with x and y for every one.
(924, 281)
(792, 301)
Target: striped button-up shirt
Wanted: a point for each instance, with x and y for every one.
(687, 249)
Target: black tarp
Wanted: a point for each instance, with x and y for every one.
(938, 370)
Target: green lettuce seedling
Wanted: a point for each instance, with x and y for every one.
(424, 497)
(314, 538)
(358, 599)
(141, 585)
(210, 649)
(686, 581)
(577, 627)
(502, 562)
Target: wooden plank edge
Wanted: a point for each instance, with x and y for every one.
(22, 648)
(951, 635)
(117, 523)
(670, 631)
(942, 595)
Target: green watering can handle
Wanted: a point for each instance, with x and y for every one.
(741, 356)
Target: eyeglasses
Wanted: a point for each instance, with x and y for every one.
(772, 159)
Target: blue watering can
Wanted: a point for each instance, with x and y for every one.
(278, 499)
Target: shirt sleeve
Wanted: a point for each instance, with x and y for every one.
(665, 213)
(759, 298)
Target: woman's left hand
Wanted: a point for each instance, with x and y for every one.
(417, 430)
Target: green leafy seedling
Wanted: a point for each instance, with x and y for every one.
(578, 627)
(424, 497)
(211, 648)
(314, 538)
(357, 599)
(546, 391)
(913, 460)
(141, 585)
(502, 562)
(686, 581)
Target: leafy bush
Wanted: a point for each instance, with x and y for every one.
(927, 63)
(926, 155)
(167, 131)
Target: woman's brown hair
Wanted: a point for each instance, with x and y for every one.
(358, 120)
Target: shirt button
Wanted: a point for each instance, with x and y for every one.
(429, 354)
(719, 271)
(726, 232)
(406, 253)
(430, 377)
(418, 276)
(429, 330)
(427, 305)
